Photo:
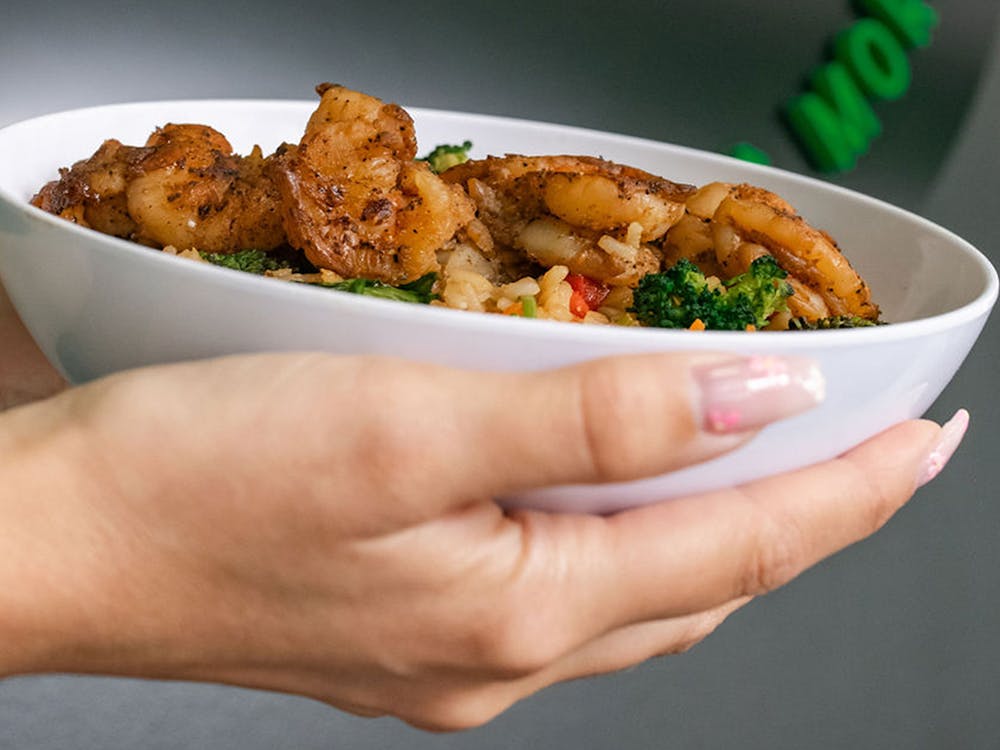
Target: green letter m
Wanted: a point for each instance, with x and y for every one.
(834, 122)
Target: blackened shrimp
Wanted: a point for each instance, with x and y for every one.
(91, 193)
(184, 188)
(598, 218)
(355, 201)
(191, 190)
(728, 226)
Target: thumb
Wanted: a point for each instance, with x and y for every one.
(619, 419)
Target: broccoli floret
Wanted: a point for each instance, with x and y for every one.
(251, 261)
(834, 321)
(259, 262)
(445, 156)
(681, 295)
(675, 298)
(419, 291)
(761, 291)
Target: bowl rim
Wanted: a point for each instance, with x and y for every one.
(978, 307)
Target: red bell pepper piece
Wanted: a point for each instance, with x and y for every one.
(588, 294)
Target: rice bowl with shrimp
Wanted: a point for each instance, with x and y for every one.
(559, 237)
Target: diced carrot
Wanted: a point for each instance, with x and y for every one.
(751, 327)
(698, 325)
(516, 309)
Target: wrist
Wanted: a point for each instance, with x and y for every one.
(43, 565)
(25, 374)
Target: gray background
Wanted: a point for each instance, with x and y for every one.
(891, 644)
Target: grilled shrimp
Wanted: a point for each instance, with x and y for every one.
(353, 198)
(598, 218)
(190, 190)
(728, 226)
(184, 188)
(92, 192)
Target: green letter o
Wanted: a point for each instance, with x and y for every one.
(875, 58)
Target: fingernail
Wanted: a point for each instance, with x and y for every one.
(948, 441)
(745, 394)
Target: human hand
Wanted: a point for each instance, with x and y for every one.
(25, 374)
(326, 526)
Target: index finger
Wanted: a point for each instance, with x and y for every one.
(693, 554)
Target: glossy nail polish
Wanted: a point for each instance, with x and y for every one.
(748, 393)
(951, 436)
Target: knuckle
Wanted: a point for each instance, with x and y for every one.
(882, 504)
(509, 644)
(775, 555)
(607, 402)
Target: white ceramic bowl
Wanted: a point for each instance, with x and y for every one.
(97, 304)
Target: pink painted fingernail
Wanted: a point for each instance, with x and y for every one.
(951, 436)
(748, 393)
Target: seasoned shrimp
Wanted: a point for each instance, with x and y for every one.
(190, 190)
(355, 201)
(91, 193)
(595, 217)
(184, 188)
(728, 226)
(756, 217)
